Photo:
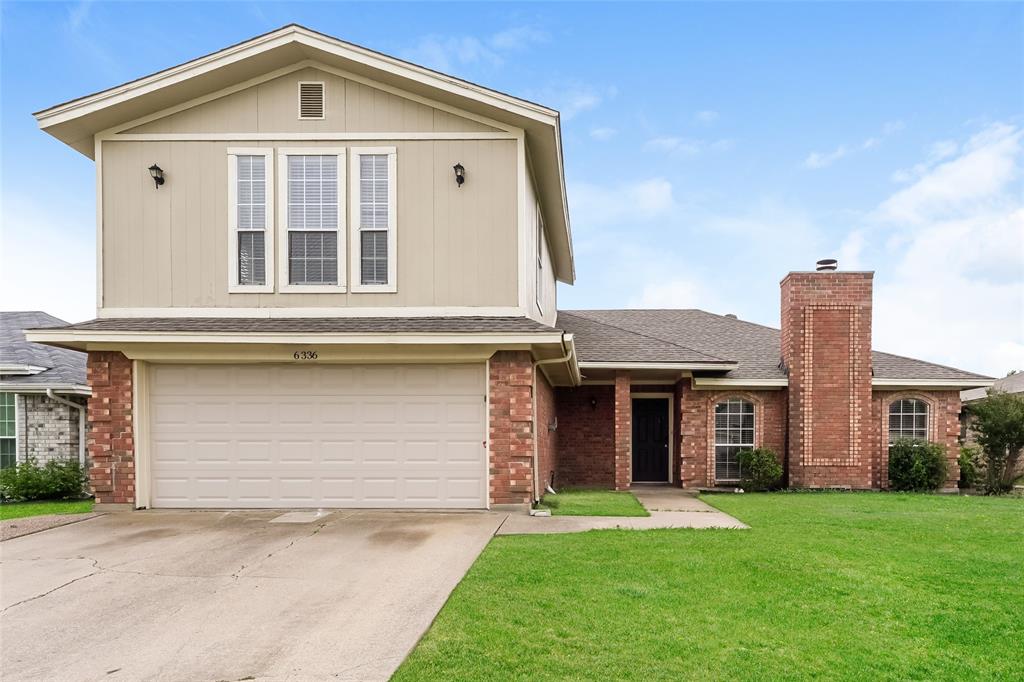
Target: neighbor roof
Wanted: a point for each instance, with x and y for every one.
(670, 336)
(52, 367)
(1011, 384)
(76, 122)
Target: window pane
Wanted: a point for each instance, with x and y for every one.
(734, 431)
(8, 429)
(313, 192)
(251, 190)
(373, 257)
(313, 257)
(252, 258)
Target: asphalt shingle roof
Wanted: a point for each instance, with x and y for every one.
(318, 325)
(63, 367)
(660, 336)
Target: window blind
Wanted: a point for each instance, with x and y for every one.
(313, 219)
(251, 223)
(374, 201)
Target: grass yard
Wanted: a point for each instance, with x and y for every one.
(593, 503)
(19, 510)
(825, 585)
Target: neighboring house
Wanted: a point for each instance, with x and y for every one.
(326, 278)
(1013, 383)
(42, 394)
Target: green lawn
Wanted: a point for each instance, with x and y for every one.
(19, 510)
(593, 503)
(856, 586)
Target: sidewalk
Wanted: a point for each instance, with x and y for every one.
(669, 508)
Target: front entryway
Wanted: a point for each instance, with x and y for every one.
(650, 440)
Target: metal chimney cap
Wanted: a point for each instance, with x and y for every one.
(826, 265)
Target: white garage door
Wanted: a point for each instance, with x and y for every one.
(318, 436)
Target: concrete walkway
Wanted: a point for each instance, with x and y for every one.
(669, 507)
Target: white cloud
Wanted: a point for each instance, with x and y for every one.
(817, 160)
(953, 291)
(48, 259)
(674, 293)
(706, 116)
(892, 127)
(685, 146)
(444, 52)
(603, 133)
(596, 205)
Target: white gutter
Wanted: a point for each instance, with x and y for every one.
(716, 382)
(725, 366)
(81, 422)
(288, 338)
(75, 389)
(570, 352)
(957, 384)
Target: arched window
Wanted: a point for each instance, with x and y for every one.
(734, 431)
(908, 418)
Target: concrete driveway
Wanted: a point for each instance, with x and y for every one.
(229, 595)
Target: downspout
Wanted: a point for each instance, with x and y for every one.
(81, 422)
(568, 354)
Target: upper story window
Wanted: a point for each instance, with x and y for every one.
(312, 220)
(311, 100)
(908, 418)
(374, 223)
(734, 431)
(249, 223)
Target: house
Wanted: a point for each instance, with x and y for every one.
(327, 278)
(1011, 383)
(43, 393)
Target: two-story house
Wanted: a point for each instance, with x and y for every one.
(327, 278)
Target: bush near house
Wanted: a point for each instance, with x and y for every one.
(999, 425)
(972, 466)
(760, 469)
(917, 465)
(55, 480)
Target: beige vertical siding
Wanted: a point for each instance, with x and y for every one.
(544, 291)
(167, 247)
(272, 107)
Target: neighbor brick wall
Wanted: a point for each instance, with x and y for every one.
(47, 429)
(510, 440)
(826, 346)
(110, 439)
(586, 436)
(547, 441)
(697, 428)
(943, 428)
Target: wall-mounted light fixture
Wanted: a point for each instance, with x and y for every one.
(460, 174)
(157, 174)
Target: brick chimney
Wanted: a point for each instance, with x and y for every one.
(826, 348)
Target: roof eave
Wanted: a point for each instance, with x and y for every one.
(931, 384)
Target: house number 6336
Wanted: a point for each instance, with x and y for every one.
(304, 355)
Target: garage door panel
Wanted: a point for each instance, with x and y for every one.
(312, 436)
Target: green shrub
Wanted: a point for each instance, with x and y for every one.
(972, 467)
(917, 465)
(999, 426)
(55, 480)
(760, 469)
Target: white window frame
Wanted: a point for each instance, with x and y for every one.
(17, 436)
(927, 418)
(355, 266)
(234, 287)
(282, 220)
(741, 446)
(298, 100)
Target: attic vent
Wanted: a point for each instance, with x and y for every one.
(311, 100)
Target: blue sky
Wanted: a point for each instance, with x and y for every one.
(710, 148)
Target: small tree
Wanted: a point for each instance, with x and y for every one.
(999, 425)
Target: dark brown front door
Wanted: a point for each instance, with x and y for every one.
(650, 440)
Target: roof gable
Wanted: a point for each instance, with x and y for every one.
(50, 366)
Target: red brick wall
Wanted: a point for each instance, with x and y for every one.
(826, 345)
(547, 443)
(586, 436)
(511, 428)
(697, 428)
(110, 437)
(943, 428)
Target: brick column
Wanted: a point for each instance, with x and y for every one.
(110, 440)
(511, 428)
(623, 432)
